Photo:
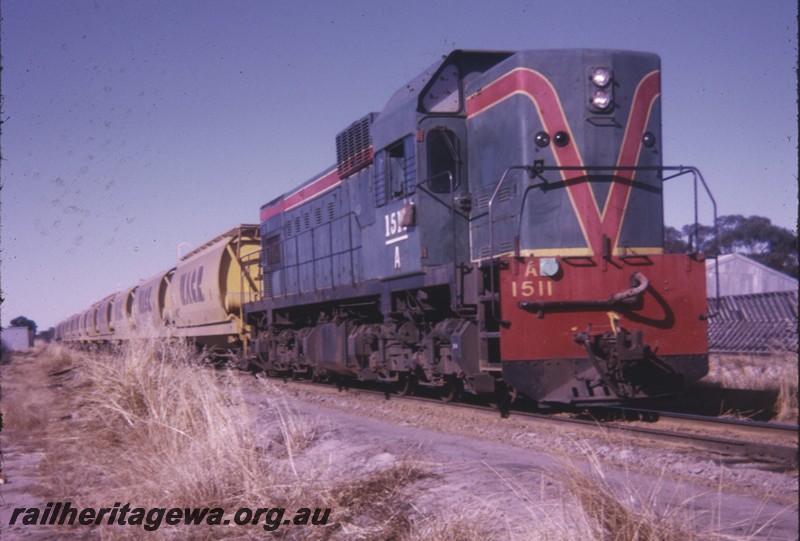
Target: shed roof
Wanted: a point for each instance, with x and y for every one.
(759, 323)
(740, 275)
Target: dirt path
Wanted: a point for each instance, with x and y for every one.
(29, 400)
(512, 466)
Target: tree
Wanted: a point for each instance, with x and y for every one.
(673, 241)
(754, 236)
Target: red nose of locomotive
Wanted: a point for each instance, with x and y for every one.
(590, 309)
(588, 329)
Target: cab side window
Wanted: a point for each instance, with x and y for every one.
(442, 149)
(395, 171)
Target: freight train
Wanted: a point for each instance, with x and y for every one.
(496, 227)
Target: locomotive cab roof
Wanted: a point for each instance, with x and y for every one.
(407, 104)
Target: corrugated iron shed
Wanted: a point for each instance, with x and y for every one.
(759, 323)
(740, 275)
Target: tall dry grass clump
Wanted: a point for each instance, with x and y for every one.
(774, 372)
(155, 427)
(786, 405)
(621, 505)
(616, 514)
(589, 506)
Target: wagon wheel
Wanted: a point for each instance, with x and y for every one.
(316, 376)
(406, 384)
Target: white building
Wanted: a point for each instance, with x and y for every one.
(17, 338)
(740, 275)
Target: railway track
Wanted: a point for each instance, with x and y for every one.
(755, 440)
(772, 443)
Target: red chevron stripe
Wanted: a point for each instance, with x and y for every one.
(541, 92)
(647, 92)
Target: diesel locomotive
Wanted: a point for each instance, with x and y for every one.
(496, 227)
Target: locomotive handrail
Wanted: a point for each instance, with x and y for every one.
(533, 171)
(682, 170)
(625, 297)
(538, 168)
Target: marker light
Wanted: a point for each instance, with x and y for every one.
(601, 77)
(649, 139)
(542, 139)
(601, 99)
(561, 139)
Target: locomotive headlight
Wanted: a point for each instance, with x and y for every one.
(601, 77)
(601, 99)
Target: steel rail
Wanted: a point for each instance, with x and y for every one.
(785, 455)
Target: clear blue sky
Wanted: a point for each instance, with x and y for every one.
(130, 127)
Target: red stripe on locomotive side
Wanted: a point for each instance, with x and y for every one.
(321, 185)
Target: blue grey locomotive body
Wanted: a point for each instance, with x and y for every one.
(465, 240)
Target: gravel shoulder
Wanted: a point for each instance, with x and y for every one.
(514, 466)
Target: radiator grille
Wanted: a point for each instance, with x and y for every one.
(354, 147)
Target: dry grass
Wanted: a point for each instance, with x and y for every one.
(376, 505)
(585, 500)
(623, 505)
(775, 372)
(151, 425)
(786, 406)
(754, 372)
(29, 412)
(166, 430)
(623, 515)
(459, 525)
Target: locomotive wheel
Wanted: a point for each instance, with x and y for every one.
(502, 398)
(452, 390)
(505, 399)
(406, 384)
